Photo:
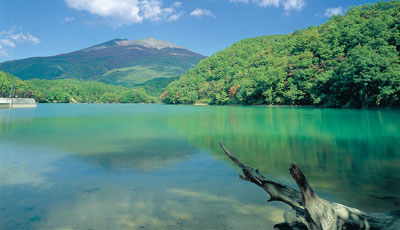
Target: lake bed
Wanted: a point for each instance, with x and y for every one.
(149, 166)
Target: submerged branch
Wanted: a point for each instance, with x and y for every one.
(310, 211)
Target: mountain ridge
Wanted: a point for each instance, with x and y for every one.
(117, 61)
(146, 42)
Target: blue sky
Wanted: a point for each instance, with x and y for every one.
(48, 27)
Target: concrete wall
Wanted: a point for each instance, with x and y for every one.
(17, 103)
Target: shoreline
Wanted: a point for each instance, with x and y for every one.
(267, 106)
(17, 103)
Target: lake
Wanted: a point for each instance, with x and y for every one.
(149, 166)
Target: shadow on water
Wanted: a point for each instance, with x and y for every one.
(138, 141)
(143, 154)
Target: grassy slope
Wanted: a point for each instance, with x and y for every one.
(138, 74)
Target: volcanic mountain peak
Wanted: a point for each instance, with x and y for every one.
(154, 43)
(147, 42)
(118, 61)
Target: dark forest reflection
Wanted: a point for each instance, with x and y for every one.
(138, 140)
(353, 155)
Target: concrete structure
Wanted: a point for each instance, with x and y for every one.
(14, 103)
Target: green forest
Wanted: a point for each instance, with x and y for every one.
(11, 86)
(350, 61)
(70, 91)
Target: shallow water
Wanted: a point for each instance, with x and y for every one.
(78, 166)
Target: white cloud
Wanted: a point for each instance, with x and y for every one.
(240, 1)
(198, 12)
(7, 42)
(266, 3)
(9, 39)
(288, 5)
(333, 11)
(296, 5)
(175, 17)
(67, 19)
(127, 12)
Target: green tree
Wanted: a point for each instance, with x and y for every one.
(350, 61)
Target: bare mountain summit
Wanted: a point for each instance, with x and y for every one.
(150, 43)
(154, 43)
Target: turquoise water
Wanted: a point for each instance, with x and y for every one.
(94, 166)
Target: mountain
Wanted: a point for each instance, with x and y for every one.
(119, 61)
(350, 61)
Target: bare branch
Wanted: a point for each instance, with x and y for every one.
(277, 191)
(310, 211)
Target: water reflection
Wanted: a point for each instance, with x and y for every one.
(160, 167)
(138, 140)
(142, 153)
(19, 168)
(352, 156)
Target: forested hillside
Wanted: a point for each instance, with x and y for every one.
(70, 91)
(155, 87)
(350, 61)
(11, 86)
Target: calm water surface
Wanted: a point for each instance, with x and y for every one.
(159, 166)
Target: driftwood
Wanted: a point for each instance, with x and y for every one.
(310, 211)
